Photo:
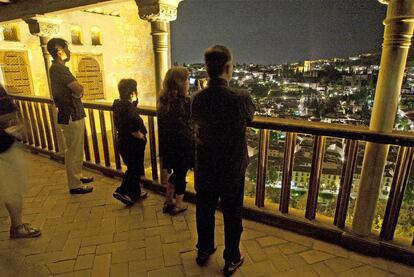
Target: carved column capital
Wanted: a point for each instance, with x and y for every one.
(158, 10)
(44, 26)
(399, 23)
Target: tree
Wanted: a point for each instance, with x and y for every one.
(402, 123)
(251, 171)
(330, 75)
(272, 175)
(273, 194)
(332, 105)
(259, 90)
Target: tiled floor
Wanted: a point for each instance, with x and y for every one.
(95, 235)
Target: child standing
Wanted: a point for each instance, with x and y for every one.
(131, 141)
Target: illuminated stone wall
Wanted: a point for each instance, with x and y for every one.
(126, 50)
(30, 45)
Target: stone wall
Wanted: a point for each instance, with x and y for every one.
(126, 50)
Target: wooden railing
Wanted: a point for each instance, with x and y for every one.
(42, 133)
(42, 136)
(353, 136)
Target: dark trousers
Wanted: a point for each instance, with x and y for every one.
(177, 178)
(133, 156)
(231, 204)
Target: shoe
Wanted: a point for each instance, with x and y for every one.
(24, 231)
(202, 257)
(86, 180)
(81, 190)
(177, 210)
(231, 267)
(123, 198)
(167, 208)
(144, 194)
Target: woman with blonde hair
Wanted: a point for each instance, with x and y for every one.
(175, 136)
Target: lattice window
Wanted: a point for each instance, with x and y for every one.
(89, 74)
(15, 68)
(10, 33)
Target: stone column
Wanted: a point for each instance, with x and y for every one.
(44, 28)
(1, 39)
(399, 26)
(159, 13)
(1, 33)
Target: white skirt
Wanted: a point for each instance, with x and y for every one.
(13, 172)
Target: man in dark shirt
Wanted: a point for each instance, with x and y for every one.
(67, 93)
(220, 115)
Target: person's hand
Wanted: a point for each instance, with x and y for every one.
(202, 83)
(138, 135)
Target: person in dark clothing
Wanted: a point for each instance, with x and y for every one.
(12, 168)
(131, 133)
(175, 136)
(67, 93)
(220, 115)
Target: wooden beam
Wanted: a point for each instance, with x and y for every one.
(24, 9)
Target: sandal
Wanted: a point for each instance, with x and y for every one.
(24, 231)
(178, 210)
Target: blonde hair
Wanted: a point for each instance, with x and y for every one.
(173, 86)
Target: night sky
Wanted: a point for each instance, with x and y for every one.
(277, 31)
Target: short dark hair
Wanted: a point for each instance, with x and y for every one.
(126, 87)
(216, 58)
(53, 44)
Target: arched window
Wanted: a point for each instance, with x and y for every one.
(89, 74)
(96, 36)
(10, 33)
(76, 33)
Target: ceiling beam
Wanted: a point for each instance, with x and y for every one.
(16, 10)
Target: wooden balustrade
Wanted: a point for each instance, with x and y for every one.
(41, 136)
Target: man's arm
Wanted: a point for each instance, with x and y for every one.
(138, 135)
(247, 106)
(76, 88)
(251, 109)
(66, 77)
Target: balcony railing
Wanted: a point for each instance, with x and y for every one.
(42, 134)
(100, 141)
